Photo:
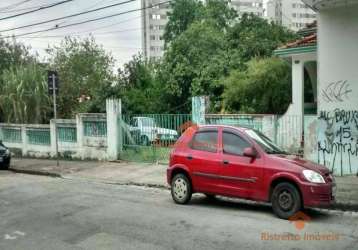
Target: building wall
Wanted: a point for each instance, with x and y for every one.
(338, 89)
(153, 22)
(293, 14)
(248, 6)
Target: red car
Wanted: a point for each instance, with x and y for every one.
(244, 163)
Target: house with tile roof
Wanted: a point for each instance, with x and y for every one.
(325, 83)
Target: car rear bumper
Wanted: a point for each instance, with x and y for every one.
(5, 159)
(318, 195)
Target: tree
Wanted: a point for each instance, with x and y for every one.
(186, 12)
(191, 64)
(138, 87)
(210, 47)
(183, 14)
(86, 76)
(220, 13)
(12, 54)
(196, 56)
(23, 94)
(254, 37)
(264, 87)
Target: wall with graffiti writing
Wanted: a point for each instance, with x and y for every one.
(337, 127)
(338, 140)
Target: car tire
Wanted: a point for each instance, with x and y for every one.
(181, 189)
(144, 140)
(286, 200)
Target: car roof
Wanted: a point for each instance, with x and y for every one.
(240, 128)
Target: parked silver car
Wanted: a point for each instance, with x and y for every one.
(150, 132)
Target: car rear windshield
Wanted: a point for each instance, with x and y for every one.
(267, 145)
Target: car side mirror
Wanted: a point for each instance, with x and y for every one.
(250, 152)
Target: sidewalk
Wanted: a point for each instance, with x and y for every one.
(146, 174)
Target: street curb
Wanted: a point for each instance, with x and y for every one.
(344, 207)
(337, 206)
(159, 186)
(35, 172)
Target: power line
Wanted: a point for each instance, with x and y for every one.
(11, 6)
(87, 31)
(69, 16)
(76, 34)
(87, 21)
(17, 10)
(32, 11)
(90, 7)
(26, 8)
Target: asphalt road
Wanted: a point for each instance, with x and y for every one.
(48, 213)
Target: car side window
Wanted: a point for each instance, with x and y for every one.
(234, 144)
(205, 141)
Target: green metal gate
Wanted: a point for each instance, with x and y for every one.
(150, 137)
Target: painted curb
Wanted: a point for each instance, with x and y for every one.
(35, 172)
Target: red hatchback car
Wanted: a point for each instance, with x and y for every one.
(244, 163)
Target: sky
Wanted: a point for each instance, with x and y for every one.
(120, 35)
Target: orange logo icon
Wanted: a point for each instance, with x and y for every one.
(299, 219)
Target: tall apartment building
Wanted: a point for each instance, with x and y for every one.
(293, 14)
(248, 6)
(155, 18)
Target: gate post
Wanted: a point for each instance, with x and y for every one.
(198, 109)
(114, 138)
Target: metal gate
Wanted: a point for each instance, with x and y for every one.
(150, 137)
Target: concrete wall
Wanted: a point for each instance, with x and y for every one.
(338, 89)
(81, 146)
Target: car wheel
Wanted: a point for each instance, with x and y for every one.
(181, 189)
(144, 140)
(286, 200)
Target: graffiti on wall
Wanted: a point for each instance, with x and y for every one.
(336, 91)
(338, 140)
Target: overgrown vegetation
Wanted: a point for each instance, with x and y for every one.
(209, 50)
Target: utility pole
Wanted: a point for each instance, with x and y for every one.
(53, 87)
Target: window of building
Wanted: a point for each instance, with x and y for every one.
(155, 16)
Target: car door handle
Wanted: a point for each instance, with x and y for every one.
(226, 162)
(189, 157)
